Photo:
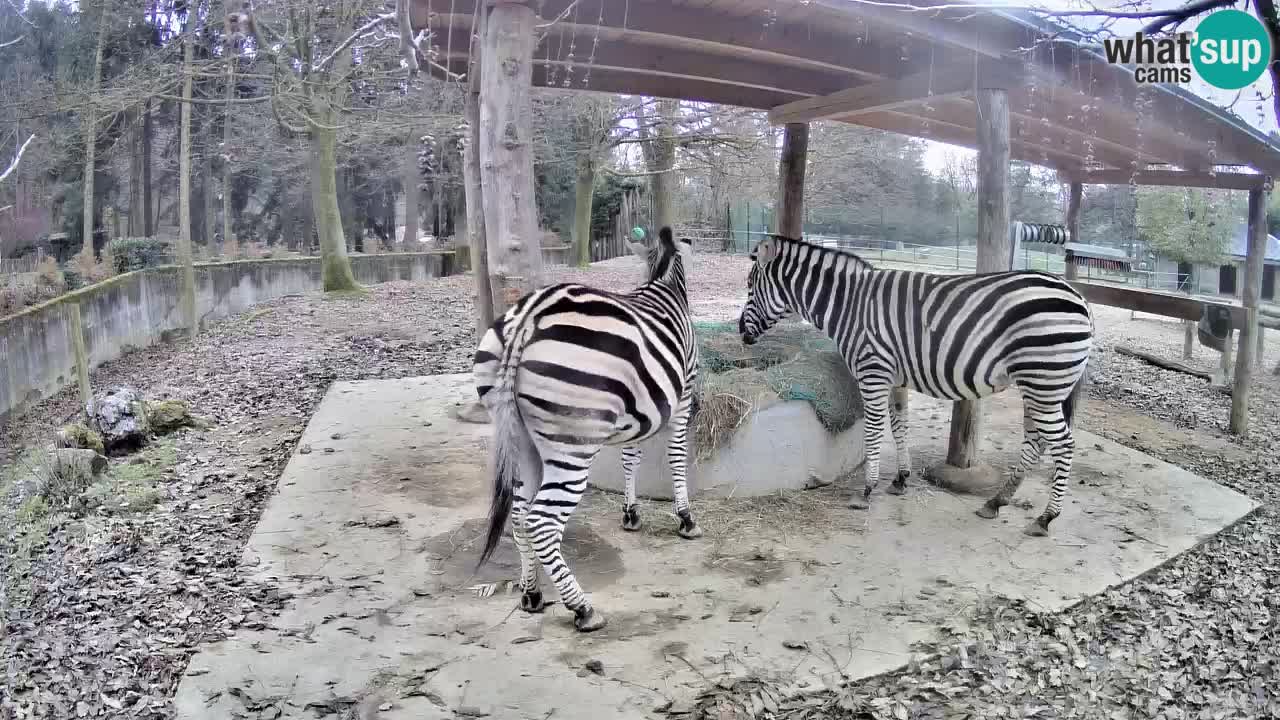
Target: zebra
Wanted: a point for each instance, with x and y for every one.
(567, 370)
(959, 337)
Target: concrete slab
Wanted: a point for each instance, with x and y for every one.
(376, 529)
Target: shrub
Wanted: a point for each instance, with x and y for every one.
(131, 254)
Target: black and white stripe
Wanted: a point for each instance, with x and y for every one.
(959, 337)
(566, 371)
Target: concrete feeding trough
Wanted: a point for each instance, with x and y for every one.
(782, 414)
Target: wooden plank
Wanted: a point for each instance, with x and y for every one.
(1182, 307)
(1174, 178)
(894, 92)
(1251, 297)
(474, 198)
(994, 245)
(791, 170)
(1162, 363)
(1073, 227)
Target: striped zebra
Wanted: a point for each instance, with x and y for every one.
(958, 337)
(566, 371)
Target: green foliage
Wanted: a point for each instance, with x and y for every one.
(1186, 225)
(132, 254)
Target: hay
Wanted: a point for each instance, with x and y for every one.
(792, 362)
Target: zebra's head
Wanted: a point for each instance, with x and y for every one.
(766, 303)
(665, 261)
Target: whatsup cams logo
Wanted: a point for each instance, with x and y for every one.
(1229, 50)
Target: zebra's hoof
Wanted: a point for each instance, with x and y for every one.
(689, 530)
(988, 511)
(531, 602)
(1037, 528)
(862, 502)
(589, 620)
(896, 489)
(630, 519)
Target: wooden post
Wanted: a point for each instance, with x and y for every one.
(791, 169)
(993, 244)
(1222, 377)
(75, 333)
(474, 196)
(506, 152)
(1073, 227)
(1251, 297)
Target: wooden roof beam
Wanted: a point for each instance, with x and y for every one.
(954, 134)
(1172, 178)
(918, 87)
(704, 29)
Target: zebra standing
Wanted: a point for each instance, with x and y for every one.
(959, 337)
(566, 371)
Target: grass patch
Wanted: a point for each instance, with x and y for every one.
(135, 485)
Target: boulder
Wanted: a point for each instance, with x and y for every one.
(120, 417)
(166, 416)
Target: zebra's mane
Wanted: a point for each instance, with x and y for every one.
(801, 242)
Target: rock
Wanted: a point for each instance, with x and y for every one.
(166, 416)
(120, 417)
(79, 436)
(594, 666)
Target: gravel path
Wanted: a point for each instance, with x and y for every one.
(99, 620)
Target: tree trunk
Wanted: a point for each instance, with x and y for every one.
(148, 222)
(209, 183)
(584, 192)
(136, 212)
(791, 171)
(474, 199)
(91, 136)
(228, 234)
(184, 193)
(506, 153)
(336, 268)
(1250, 298)
(410, 180)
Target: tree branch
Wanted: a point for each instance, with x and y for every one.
(16, 159)
(358, 34)
(1178, 16)
(7, 43)
(408, 46)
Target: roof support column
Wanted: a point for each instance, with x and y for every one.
(1247, 355)
(506, 152)
(1073, 228)
(791, 169)
(962, 470)
(474, 196)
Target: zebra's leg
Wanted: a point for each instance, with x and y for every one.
(898, 419)
(875, 401)
(531, 594)
(678, 458)
(1057, 434)
(631, 455)
(564, 480)
(1032, 447)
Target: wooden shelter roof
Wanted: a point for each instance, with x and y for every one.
(876, 65)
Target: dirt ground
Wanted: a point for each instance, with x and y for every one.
(102, 613)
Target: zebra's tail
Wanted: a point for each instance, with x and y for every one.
(513, 449)
(1069, 404)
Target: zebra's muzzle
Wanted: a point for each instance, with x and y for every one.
(749, 339)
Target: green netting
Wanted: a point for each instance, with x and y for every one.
(791, 362)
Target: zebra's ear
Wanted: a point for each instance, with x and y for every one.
(640, 249)
(766, 251)
(685, 247)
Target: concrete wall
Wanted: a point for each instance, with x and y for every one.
(141, 308)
